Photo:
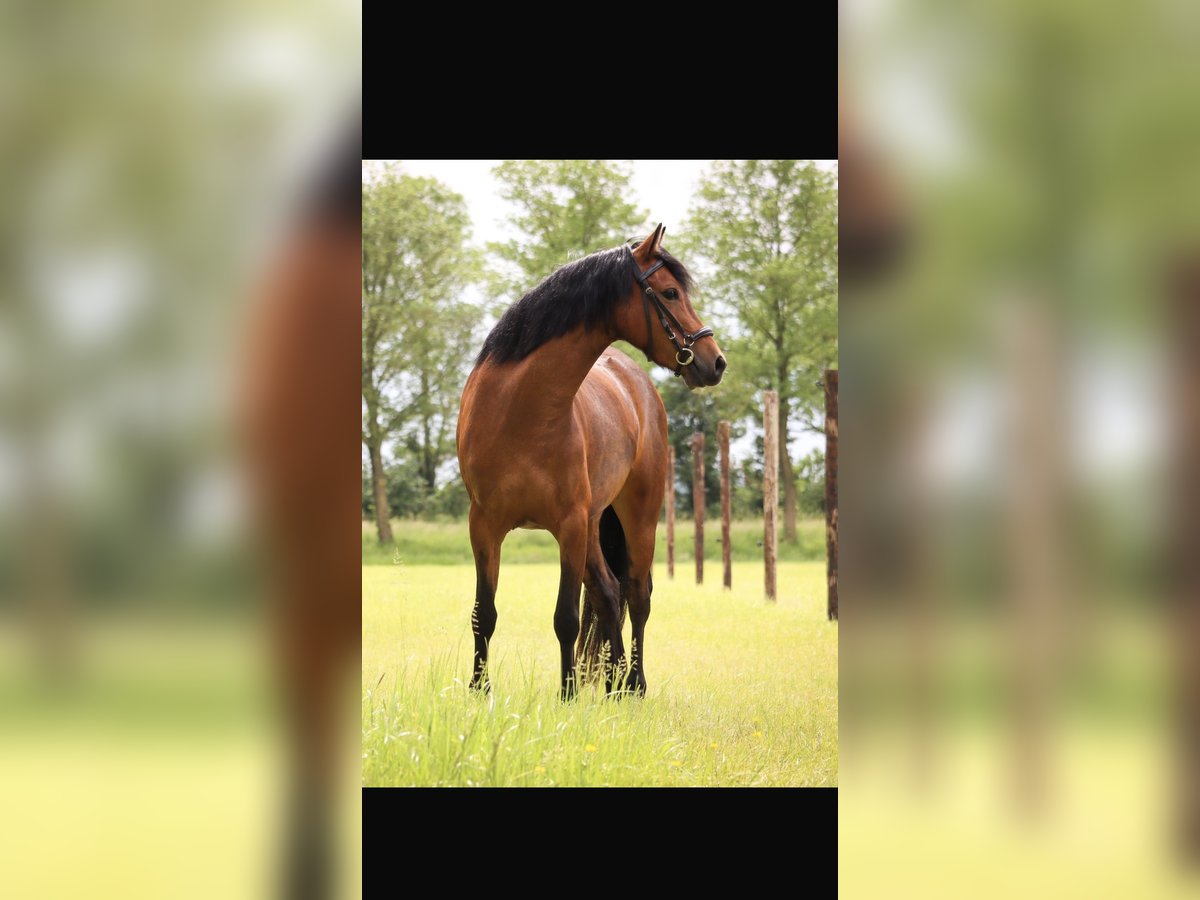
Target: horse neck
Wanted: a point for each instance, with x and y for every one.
(551, 375)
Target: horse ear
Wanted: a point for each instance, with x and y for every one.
(649, 248)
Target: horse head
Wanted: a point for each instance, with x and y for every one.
(679, 341)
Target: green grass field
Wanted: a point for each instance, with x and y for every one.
(740, 692)
(448, 543)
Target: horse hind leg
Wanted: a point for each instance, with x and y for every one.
(596, 651)
(486, 549)
(640, 589)
(605, 601)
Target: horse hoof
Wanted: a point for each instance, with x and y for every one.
(627, 688)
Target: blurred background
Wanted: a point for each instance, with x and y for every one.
(160, 165)
(1020, 242)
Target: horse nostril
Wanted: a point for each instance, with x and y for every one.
(720, 364)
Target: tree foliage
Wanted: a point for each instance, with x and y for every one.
(565, 209)
(418, 333)
(702, 410)
(766, 231)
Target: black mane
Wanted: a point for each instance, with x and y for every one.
(581, 293)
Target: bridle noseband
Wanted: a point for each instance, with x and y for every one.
(684, 355)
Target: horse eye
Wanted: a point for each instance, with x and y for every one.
(671, 294)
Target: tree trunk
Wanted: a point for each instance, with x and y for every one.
(726, 553)
(787, 474)
(383, 515)
(698, 501)
(770, 489)
(831, 491)
(670, 512)
(429, 464)
(1184, 550)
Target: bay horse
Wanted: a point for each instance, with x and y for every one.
(559, 432)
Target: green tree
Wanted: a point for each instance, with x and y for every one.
(566, 208)
(767, 230)
(439, 343)
(692, 411)
(810, 476)
(417, 332)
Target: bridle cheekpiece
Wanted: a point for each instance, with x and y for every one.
(684, 355)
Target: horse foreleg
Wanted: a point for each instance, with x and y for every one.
(486, 548)
(572, 550)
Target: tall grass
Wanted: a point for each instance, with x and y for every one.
(740, 692)
(448, 543)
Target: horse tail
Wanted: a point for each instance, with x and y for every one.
(616, 553)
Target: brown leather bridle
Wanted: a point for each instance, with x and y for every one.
(684, 355)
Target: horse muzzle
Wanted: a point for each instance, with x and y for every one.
(701, 372)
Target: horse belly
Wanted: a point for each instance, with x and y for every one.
(627, 443)
(613, 437)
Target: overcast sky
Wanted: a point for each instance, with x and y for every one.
(663, 187)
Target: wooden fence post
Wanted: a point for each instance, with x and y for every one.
(670, 512)
(831, 488)
(770, 486)
(698, 500)
(726, 556)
